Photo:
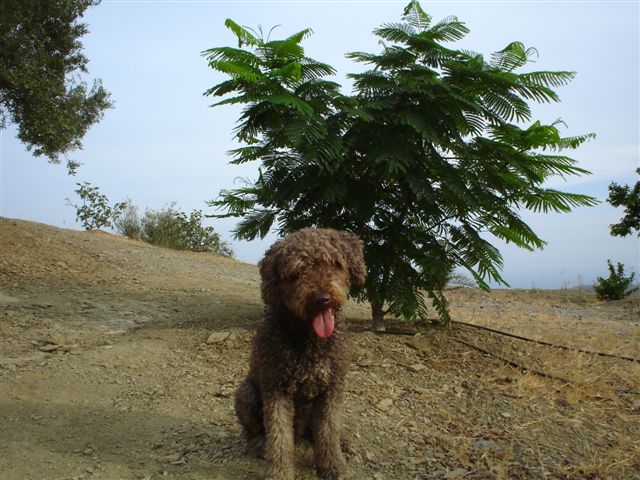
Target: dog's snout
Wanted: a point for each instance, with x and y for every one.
(323, 300)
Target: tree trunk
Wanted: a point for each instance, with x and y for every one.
(377, 313)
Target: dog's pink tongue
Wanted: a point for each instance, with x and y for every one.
(324, 323)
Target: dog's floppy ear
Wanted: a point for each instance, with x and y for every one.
(355, 257)
(268, 266)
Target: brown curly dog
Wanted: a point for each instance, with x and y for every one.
(299, 357)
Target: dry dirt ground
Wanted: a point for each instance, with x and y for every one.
(119, 360)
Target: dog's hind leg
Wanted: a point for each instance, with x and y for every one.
(248, 407)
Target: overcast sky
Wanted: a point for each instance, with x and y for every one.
(161, 142)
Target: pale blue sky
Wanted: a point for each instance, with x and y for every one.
(162, 143)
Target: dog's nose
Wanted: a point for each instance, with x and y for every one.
(323, 300)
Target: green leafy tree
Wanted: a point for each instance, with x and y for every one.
(616, 286)
(95, 212)
(40, 65)
(434, 152)
(629, 198)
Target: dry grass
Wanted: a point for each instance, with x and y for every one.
(568, 317)
(600, 396)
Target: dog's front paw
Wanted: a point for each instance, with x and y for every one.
(280, 477)
(283, 473)
(334, 471)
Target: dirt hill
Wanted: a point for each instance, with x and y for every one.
(119, 360)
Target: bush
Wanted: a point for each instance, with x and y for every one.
(162, 228)
(614, 287)
(128, 223)
(95, 211)
(200, 238)
(172, 228)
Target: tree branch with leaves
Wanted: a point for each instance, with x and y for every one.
(629, 198)
(41, 61)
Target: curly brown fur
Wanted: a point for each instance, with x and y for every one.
(299, 359)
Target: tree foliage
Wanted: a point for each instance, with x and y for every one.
(41, 62)
(435, 149)
(629, 198)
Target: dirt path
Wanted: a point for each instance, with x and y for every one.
(106, 373)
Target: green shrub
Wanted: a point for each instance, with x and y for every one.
(615, 287)
(161, 227)
(172, 228)
(95, 211)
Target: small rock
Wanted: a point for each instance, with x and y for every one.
(88, 451)
(596, 442)
(49, 348)
(506, 414)
(217, 337)
(175, 457)
(4, 298)
(485, 445)
(364, 363)
(385, 404)
(417, 367)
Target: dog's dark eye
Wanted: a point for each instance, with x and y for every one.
(338, 265)
(292, 277)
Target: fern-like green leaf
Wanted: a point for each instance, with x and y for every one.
(395, 32)
(244, 36)
(449, 29)
(511, 57)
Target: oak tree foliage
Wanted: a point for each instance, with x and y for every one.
(629, 198)
(433, 153)
(41, 67)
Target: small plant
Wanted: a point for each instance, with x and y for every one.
(95, 211)
(615, 287)
(128, 223)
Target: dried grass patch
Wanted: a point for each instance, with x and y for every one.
(473, 415)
